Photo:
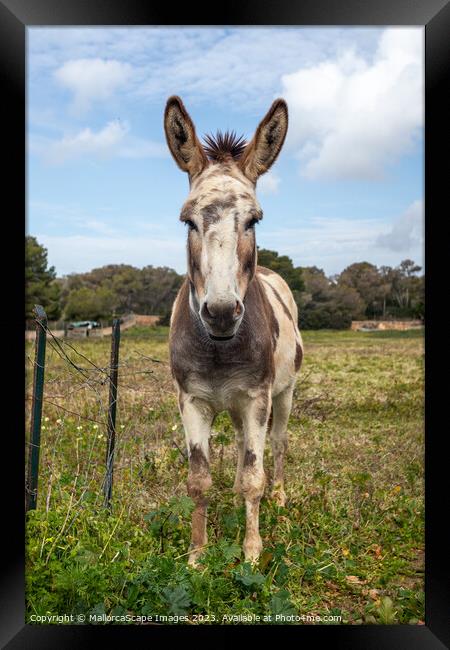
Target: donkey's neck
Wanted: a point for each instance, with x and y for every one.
(193, 353)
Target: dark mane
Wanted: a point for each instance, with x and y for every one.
(223, 145)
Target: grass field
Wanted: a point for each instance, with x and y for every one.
(349, 543)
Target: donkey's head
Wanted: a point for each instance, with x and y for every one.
(221, 210)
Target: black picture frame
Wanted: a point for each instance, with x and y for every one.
(434, 15)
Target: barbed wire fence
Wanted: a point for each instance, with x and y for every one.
(126, 463)
(90, 421)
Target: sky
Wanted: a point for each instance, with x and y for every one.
(348, 186)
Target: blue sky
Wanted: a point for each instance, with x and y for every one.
(348, 186)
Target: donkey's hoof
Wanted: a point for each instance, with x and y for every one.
(238, 499)
(195, 563)
(194, 558)
(252, 549)
(278, 496)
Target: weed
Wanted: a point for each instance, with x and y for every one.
(348, 543)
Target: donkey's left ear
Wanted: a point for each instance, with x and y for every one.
(262, 150)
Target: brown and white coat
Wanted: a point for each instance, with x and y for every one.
(234, 339)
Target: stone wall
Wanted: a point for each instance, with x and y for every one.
(386, 324)
(146, 320)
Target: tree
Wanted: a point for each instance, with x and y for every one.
(316, 283)
(367, 281)
(409, 268)
(126, 285)
(160, 287)
(283, 265)
(125, 289)
(324, 304)
(386, 286)
(418, 297)
(408, 290)
(387, 292)
(41, 287)
(90, 304)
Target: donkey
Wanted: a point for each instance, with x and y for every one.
(234, 340)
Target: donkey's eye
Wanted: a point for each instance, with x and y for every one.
(191, 224)
(251, 224)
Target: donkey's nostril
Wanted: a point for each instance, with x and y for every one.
(206, 312)
(209, 314)
(238, 309)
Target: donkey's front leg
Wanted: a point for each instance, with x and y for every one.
(197, 419)
(239, 432)
(255, 417)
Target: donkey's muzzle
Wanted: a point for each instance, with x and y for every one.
(222, 319)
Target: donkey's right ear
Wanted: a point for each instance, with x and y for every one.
(181, 138)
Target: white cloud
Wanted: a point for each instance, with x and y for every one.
(84, 142)
(407, 230)
(72, 216)
(100, 227)
(133, 147)
(268, 183)
(235, 68)
(321, 238)
(80, 253)
(114, 139)
(350, 117)
(333, 243)
(92, 80)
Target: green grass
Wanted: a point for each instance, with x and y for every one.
(349, 543)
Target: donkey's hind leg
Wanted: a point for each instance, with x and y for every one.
(281, 404)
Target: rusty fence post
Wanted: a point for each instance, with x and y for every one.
(36, 409)
(112, 407)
